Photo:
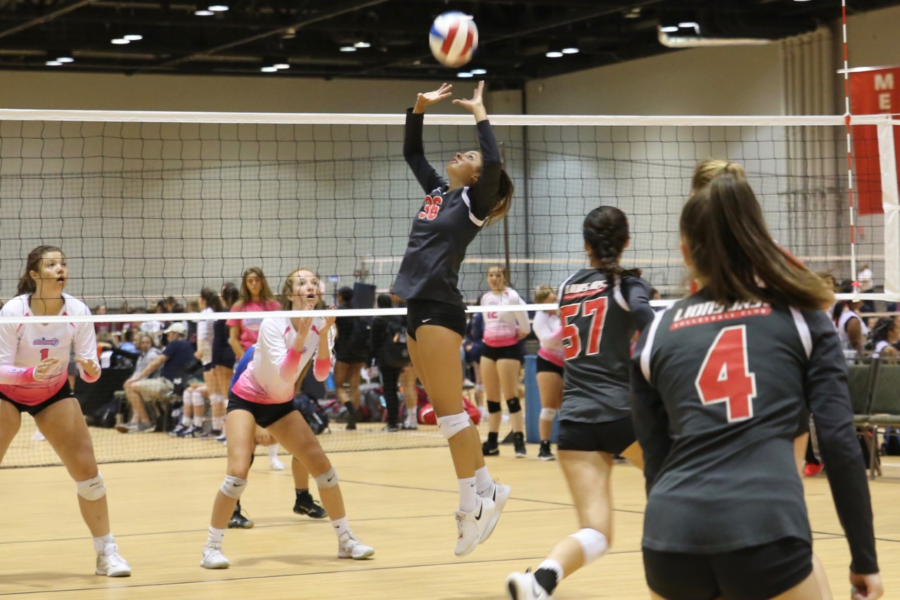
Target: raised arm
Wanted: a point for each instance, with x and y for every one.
(413, 150)
(829, 400)
(486, 191)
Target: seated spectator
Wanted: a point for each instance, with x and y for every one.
(144, 388)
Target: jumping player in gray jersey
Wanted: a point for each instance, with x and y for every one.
(719, 382)
(600, 307)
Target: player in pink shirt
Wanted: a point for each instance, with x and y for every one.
(34, 359)
(550, 361)
(263, 395)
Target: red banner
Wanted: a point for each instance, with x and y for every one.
(872, 92)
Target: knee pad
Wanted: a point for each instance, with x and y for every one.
(494, 407)
(233, 486)
(197, 399)
(328, 479)
(548, 414)
(513, 405)
(453, 424)
(92, 489)
(186, 396)
(593, 544)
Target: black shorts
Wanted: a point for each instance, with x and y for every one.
(610, 436)
(208, 367)
(265, 414)
(545, 366)
(755, 573)
(226, 361)
(513, 352)
(64, 392)
(432, 312)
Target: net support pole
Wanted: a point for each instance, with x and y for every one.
(526, 198)
(890, 201)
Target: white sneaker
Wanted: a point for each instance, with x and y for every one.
(500, 496)
(37, 436)
(472, 526)
(109, 563)
(523, 586)
(276, 465)
(350, 547)
(213, 557)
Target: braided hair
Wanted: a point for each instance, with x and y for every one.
(606, 233)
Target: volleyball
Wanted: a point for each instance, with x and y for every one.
(453, 39)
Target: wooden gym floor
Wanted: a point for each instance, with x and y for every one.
(399, 501)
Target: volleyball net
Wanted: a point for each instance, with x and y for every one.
(148, 206)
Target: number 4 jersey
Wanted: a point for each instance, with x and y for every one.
(24, 346)
(599, 320)
(718, 392)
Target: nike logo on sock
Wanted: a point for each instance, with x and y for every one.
(330, 478)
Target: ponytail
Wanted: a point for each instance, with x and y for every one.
(505, 191)
(731, 247)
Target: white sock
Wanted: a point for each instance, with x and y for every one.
(215, 535)
(273, 452)
(217, 423)
(468, 499)
(341, 526)
(552, 565)
(411, 418)
(100, 543)
(198, 422)
(484, 485)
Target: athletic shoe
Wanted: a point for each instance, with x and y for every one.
(811, 470)
(239, 521)
(37, 436)
(276, 465)
(351, 416)
(519, 443)
(178, 430)
(305, 505)
(222, 439)
(499, 497)
(545, 453)
(136, 428)
(213, 557)
(523, 586)
(489, 449)
(190, 432)
(212, 433)
(472, 526)
(408, 427)
(111, 564)
(350, 547)
(390, 429)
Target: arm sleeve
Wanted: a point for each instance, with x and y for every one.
(414, 153)
(651, 422)
(10, 374)
(86, 347)
(485, 193)
(637, 294)
(829, 401)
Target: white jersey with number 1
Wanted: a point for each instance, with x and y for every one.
(24, 346)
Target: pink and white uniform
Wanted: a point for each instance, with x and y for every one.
(24, 346)
(502, 329)
(548, 329)
(271, 375)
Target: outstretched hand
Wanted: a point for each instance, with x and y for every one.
(429, 98)
(475, 104)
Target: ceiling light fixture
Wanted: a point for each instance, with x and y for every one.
(289, 34)
(133, 37)
(282, 64)
(554, 54)
(269, 69)
(53, 63)
(479, 71)
(362, 45)
(570, 50)
(202, 12)
(348, 49)
(64, 57)
(465, 75)
(669, 29)
(218, 7)
(634, 13)
(120, 41)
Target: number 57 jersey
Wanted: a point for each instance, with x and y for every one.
(718, 391)
(599, 319)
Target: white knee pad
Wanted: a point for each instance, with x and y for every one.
(453, 424)
(328, 479)
(593, 544)
(186, 396)
(197, 399)
(92, 489)
(548, 414)
(217, 399)
(233, 486)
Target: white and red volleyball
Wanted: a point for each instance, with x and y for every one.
(453, 39)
